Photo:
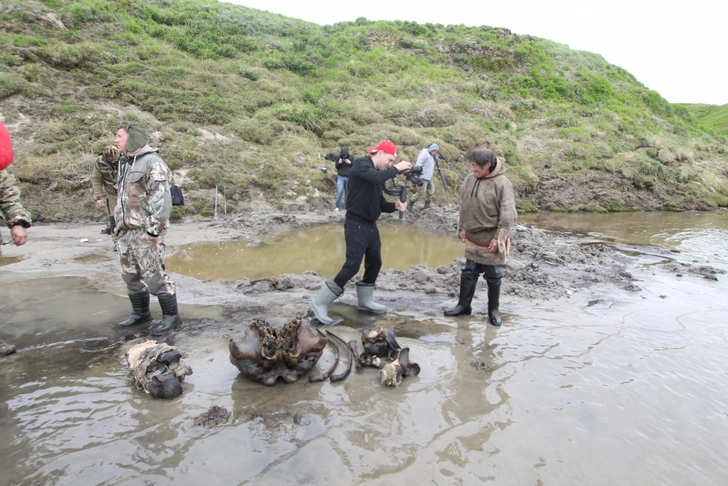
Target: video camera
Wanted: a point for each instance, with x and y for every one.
(413, 175)
(335, 157)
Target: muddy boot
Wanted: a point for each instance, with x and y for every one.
(493, 301)
(6, 349)
(328, 293)
(467, 291)
(411, 206)
(427, 205)
(365, 296)
(170, 319)
(140, 311)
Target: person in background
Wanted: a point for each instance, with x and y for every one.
(487, 213)
(104, 175)
(364, 204)
(343, 166)
(16, 216)
(142, 217)
(426, 159)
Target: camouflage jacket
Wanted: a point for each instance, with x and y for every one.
(103, 178)
(10, 201)
(144, 201)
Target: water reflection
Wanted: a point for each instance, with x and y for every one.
(597, 389)
(6, 260)
(321, 249)
(703, 234)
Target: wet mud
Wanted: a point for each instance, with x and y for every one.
(605, 355)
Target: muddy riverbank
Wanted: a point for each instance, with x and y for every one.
(607, 353)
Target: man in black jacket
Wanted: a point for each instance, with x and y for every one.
(343, 167)
(364, 204)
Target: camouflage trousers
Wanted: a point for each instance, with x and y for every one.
(110, 206)
(427, 189)
(141, 258)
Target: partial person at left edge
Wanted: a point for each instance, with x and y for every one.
(16, 216)
(142, 216)
(104, 175)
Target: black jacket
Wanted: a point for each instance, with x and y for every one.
(343, 168)
(365, 201)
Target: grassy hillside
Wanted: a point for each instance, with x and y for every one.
(711, 117)
(251, 102)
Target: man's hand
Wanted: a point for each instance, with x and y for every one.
(462, 235)
(20, 236)
(493, 246)
(100, 203)
(400, 206)
(403, 166)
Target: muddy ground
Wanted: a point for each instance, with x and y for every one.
(541, 266)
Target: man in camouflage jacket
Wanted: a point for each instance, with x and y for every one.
(103, 179)
(142, 216)
(16, 217)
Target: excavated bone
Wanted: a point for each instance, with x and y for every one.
(266, 353)
(156, 369)
(393, 372)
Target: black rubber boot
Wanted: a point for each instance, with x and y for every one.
(467, 291)
(411, 206)
(170, 319)
(427, 205)
(493, 302)
(140, 310)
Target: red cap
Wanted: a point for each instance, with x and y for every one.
(384, 146)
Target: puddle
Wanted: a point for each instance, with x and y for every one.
(321, 249)
(9, 260)
(93, 258)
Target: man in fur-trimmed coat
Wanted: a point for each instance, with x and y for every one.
(487, 213)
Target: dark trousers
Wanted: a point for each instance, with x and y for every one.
(491, 273)
(362, 241)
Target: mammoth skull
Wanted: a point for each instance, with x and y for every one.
(265, 353)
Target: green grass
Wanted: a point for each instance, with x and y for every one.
(711, 117)
(280, 93)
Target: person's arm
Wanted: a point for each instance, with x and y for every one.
(373, 176)
(421, 158)
(15, 213)
(507, 215)
(387, 206)
(97, 182)
(159, 200)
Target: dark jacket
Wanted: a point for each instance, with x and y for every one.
(343, 168)
(365, 201)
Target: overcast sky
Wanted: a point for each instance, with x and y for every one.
(675, 48)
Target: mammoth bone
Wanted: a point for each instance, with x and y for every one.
(393, 372)
(265, 353)
(378, 342)
(156, 369)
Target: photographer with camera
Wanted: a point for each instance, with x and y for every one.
(426, 187)
(365, 202)
(343, 166)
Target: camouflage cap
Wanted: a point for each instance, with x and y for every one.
(137, 138)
